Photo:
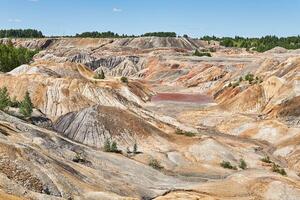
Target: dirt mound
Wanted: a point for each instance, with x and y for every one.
(92, 126)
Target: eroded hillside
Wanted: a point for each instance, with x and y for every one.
(183, 124)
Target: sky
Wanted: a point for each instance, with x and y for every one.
(248, 18)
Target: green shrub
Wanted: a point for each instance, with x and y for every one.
(107, 145)
(276, 168)
(11, 57)
(200, 54)
(4, 99)
(111, 146)
(114, 147)
(26, 106)
(79, 158)
(243, 164)
(186, 133)
(155, 164)
(227, 165)
(249, 77)
(266, 159)
(124, 79)
(100, 75)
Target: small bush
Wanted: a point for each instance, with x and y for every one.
(227, 165)
(200, 54)
(114, 147)
(186, 133)
(276, 168)
(79, 158)
(155, 164)
(266, 159)
(107, 145)
(124, 79)
(243, 164)
(250, 78)
(111, 146)
(100, 75)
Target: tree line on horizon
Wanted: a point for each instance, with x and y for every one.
(21, 33)
(32, 33)
(257, 44)
(110, 34)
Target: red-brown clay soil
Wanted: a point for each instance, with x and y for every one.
(181, 97)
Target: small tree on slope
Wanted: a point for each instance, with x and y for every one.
(4, 99)
(26, 106)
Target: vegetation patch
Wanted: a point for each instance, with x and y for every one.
(100, 75)
(111, 146)
(11, 57)
(266, 159)
(185, 133)
(110, 34)
(258, 44)
(155, 164)
(276, 168)
(134, 150)
(201, 54)
(242, 164)
(227, 165)
(124, 79)
(25, 106)
(21, 33)
(250, 78)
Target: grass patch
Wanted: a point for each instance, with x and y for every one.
(185, 133)
(227, 165)
(155, 164)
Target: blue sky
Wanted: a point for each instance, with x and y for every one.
(193, 17)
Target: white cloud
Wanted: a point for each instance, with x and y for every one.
(15, 20)
(117, 10)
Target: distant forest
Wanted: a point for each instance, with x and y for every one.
(110, 34)
(258, 44)
(21, 33)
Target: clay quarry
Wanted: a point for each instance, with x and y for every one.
(163, 124)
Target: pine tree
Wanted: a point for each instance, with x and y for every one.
(114, 147)
(26, 106)
(135, 148)
(102, 75)
(107, 145)
(4, 99)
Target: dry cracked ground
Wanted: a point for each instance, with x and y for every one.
(185, 114)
